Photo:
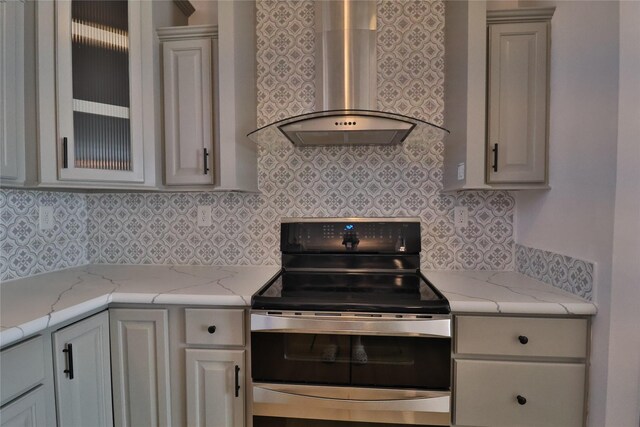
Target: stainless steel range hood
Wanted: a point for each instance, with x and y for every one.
(346, 87)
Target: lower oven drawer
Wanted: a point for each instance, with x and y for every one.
(273, 402)
(507, 394)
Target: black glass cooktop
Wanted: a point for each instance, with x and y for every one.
(384, 292)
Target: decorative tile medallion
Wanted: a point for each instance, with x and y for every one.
(564, 272)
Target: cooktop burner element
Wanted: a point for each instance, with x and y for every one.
(351, 265)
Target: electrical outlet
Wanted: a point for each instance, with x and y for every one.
(460, 171)
(46, 217)
(204, 216)
(460, 217)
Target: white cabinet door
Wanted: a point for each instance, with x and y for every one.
(215, 388)
(12, 141)
(188, 111)
(140, 359)
(28, 411)
(517, 102)
(83, 373)
(99, 91)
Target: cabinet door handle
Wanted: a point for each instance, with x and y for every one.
(523, 339)
(65, 156)
(206, 163)
(211, 329)
(237, 381)
(69, 353)
(495, 157)
(521, 399)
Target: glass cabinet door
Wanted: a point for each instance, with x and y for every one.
(98, 90)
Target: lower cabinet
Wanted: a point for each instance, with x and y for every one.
(27, 411)
(520, 371)
(140, 363)
(83, 373)
(215, 388)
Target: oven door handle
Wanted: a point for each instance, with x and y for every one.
(351, 325)
(300, 401)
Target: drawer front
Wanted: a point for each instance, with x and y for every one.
(486, 394)
(521, 336)
(214, 326)
(21, 368)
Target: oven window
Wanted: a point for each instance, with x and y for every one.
(294, 422)
(374, 361)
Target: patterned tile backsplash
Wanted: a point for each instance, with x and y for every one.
(160, 228)
(564, 272)
(25, 249)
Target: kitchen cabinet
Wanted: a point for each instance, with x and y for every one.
(496, 97)
(98, 92)
(517, 102)
(141, 367)
(12, 141)
(526, 371)
(188, 55)
(28, 411)
(210, 101)
(215, 378)
(26, 398)
(83, 373)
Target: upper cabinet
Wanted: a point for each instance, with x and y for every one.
(188, 54)
(496, 97)
(12, 165)
(210, 101)
(98, 97)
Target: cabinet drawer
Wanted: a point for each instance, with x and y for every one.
(21, 368)
(486, 394)
(504, 336)
(214, 326)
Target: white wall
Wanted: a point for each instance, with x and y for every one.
(576, 217)
(623, 391)
(206, 12)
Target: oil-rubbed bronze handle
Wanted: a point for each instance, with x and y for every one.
(237, 381)
(211, 329)
(69, 352)
(521, 399)
(65, 155)
(523, 339)
(495, 157)
(206, 162)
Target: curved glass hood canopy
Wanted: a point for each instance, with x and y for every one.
(348, 127)
(346, 88)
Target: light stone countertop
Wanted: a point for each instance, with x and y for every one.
(35, 303)
(505, 292)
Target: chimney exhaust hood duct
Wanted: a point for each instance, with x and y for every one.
(346, 87)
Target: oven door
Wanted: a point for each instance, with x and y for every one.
(343, 370)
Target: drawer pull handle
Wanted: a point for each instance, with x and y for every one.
(521, 399)
(523, 339)
(69, 353)
(237, 380)
(211, 329)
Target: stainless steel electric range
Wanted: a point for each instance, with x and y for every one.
(350, 332)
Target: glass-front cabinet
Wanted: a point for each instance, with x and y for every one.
(99, 90)
(99, 98)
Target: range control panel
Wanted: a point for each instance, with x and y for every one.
(351, 235)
